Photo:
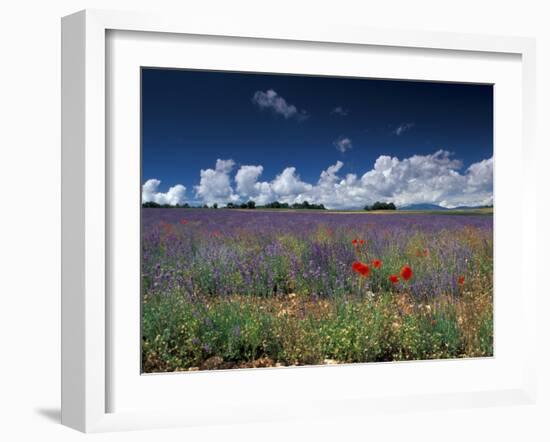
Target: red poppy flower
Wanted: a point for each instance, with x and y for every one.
(394, 279)
(361, 241)
(354, 242)
(406, 273)
(361, 268)
(461, 279)
(376, 263)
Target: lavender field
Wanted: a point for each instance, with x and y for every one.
(256, 288)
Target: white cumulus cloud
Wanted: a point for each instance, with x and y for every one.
(288, 183)
(215, 184)
(286, 187)
(246, 179)
(150, 193)
(339, 110)
(271, 100)
(248, 186)
(404, 127)
(480, 176)
(343, 144)
(434, 179)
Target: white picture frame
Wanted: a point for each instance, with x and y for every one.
(86, 315)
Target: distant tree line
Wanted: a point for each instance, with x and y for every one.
(381, 206)
(248, 205)
(153, 205)
(304, 205)
(276, 205)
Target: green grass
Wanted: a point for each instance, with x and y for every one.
(239, 331)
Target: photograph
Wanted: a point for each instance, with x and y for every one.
(304, 220)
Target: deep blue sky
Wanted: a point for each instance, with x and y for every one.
(191, 118)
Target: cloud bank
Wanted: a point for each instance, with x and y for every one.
(434, 179)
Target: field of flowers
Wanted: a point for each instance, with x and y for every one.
(255, 288)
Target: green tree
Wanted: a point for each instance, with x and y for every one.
(381, 206)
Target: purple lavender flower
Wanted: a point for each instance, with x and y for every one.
(262, 253)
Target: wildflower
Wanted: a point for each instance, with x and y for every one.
(406, 273)
(361, 241)
(183, 221)
(394, 279)
(376, 263)
(361, 268)
(425, 253)
(354, 242)
(461, 279)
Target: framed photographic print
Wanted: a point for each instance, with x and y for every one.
(273, 245)
(251, 213)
